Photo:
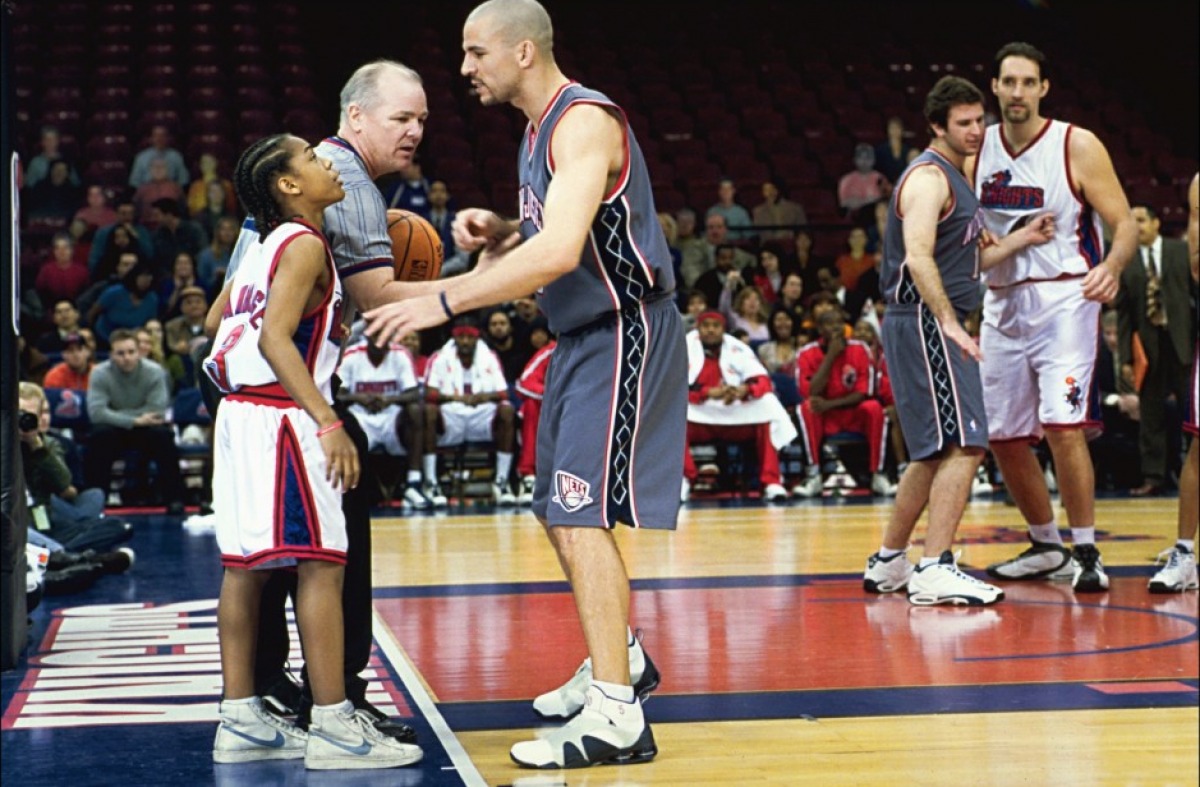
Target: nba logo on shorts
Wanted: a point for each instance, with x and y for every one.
(571, 491)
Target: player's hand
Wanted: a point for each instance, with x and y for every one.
(475, 227)
(986, 239)
(1100, 284)
(954, 331)
(819, 404)
(341, 460)
(1127, 373)
(149, 419)
(387, 323)
(1039, 229)
(493, 252)
(836, 345)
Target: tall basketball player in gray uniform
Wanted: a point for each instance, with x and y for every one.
(930, 279)
(611, 436)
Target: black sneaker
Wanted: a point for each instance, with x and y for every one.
(386, 725)
(1040, 561)
(282, 695)
(1088, 570)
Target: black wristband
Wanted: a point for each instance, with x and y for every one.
(445, 306)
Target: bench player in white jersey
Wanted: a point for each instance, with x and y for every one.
(1041, 322)
(1180, 571)
(274, 357)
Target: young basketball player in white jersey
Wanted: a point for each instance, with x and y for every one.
(1042, 311)
(282, 461)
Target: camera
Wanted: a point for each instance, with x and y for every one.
(27, 422)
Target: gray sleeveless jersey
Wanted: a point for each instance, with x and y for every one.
(625, 261)
(956, 250)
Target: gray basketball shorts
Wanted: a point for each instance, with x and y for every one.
(614, 421)
(939, 396)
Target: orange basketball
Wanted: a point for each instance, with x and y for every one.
(416, 247)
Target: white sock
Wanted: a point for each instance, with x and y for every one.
(414, 477)
(430, 463)
(503, 466)
(928, 561)
(344, 707)
(243, 701)
(1186, 543)
(1046, 534)
(886, 553)
(637, 659)
(615, 691)
(1083, 535)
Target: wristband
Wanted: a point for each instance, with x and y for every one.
(446, 306)
(338, 424)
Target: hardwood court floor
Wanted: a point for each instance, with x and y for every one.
(778, 669)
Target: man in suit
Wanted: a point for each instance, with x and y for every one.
(1154, 304)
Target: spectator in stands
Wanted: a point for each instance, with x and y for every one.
(877, 227)
(32, 364)
(737, 218)
(381, 386)
(866, 332)
(723, 274)
(894, 153)
(170, 289)
(54, 200)
(185, 334)
(66, 325)
(767, 275)
(121, 267)
(499, 337)
(836, 379)
(777, 211)
(531, 385)
(127, 404)
(411, 191)
(158, 187)
(38, 168)
(412, 342)
(125, 305)
(671, 233)
(61, 277)
(214, 258)
(160, 149)
(539, 333)
(805, 261)
(81, 237)
(696, 304)
(856, 260)
(107, 237)
(75, 367)
(863, 185)
(441, 215)
(75, 516)
(791, 296)
(693, 252)
(467, 384)
(213, 211)
(96, 212)
(852, 302)
(200, 199)
(174, 234)
(180, 369)
(779, 354)
(744, 309)
(730, 400)
(524, 314)
(1115, 452)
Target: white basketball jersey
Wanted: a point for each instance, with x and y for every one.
(236, 363)
(1013, 188)
(392, 377)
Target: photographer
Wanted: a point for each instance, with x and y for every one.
(71, 517)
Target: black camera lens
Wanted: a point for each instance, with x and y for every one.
(27, 422)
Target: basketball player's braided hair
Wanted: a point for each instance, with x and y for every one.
(254, 181)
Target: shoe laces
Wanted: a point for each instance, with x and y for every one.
(270, 719)
(1172, 556)
(958, 572)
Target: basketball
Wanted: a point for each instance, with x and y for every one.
(416, 247)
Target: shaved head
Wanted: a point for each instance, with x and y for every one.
(518, 20)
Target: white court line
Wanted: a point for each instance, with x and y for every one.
(399, 661)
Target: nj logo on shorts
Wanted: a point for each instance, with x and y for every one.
(571, 491)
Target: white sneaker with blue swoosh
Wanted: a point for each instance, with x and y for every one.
(338, 738)
(248, 732)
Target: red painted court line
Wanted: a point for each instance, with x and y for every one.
(1146, 687)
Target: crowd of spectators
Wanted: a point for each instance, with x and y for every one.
(142, 264)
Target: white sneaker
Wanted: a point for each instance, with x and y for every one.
(685, 491)
(981, 485)
(943, 583)
(503, 495)
(568, 699)
(881, 486)
(775, 493)
(1040, 561)
(414, 497)
(1178, 575)
(525, 496)
(1087, 570)
(606, 732)
(435, 495)
(339, 739)
(810, 487)
(887, 575)
(248, 732)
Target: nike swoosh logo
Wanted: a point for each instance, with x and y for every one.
(361, 749)
(273, 743)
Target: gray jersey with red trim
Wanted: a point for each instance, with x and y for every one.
(956, 250)
(625, 260)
